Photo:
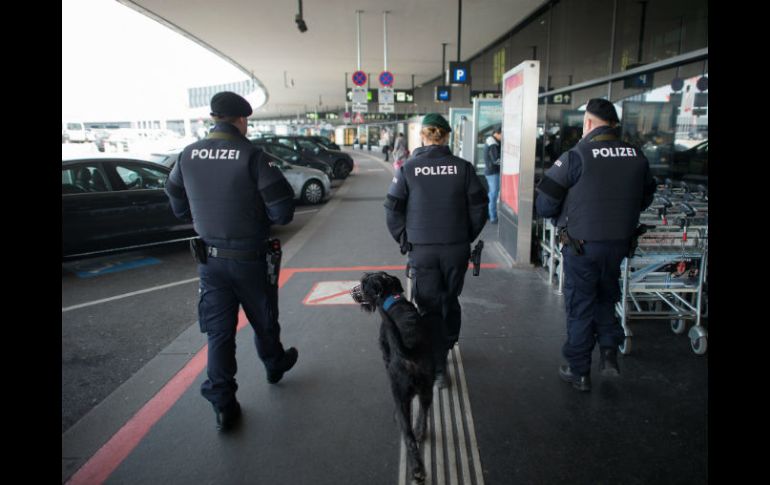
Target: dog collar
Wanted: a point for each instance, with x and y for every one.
(389, 301)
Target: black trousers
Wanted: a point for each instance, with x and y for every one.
(224, 285)
(439, 273)
(591, 289)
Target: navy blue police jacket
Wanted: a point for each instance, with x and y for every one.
(230, 191)
(598, 188)
(436, 198)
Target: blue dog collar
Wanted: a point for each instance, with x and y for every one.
(389, 301)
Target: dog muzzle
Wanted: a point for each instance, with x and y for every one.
(358, 295)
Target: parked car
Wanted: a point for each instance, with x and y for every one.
(341, 162)
(325, 142)
(293, 156)
(310, 186)
(115, 203)
(692, 164)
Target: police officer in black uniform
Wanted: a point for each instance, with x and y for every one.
(233, 195)
(435, 208)
(595, 191)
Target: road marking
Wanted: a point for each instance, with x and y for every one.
(126, 295)
(330, 293)
(451, 432)
(93, 269)
(306, 212)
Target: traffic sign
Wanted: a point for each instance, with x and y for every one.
(386, 78)
(359, 78)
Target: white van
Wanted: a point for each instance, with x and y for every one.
(73, 132)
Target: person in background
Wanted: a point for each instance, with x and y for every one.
(492, 170)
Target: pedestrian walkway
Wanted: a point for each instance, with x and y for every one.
(507, 417)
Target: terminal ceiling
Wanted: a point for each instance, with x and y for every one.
(306, 71)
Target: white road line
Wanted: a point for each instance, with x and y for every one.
(305, 212)
(428, 450)
(126, 295)
(458, 418)
(438, 436)
(469, 420)
(451, 407)
(450, 442)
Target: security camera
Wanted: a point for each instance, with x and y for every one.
(301, 25)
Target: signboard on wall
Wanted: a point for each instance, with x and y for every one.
(517, 173)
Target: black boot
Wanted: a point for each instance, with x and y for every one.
(581, 383)
(608, 362)
(228, 417)
(287, 362)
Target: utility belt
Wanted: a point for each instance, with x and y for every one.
(271, 250)
(201, 252)
(566, 240)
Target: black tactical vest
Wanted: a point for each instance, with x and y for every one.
(224, 199)
(437, 209)
(604, 204)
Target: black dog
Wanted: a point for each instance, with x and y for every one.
(406, 349)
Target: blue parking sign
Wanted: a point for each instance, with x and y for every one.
(459, 73)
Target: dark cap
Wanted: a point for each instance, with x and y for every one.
(603, 109)
(435, 119)
(497, 129)
(229, 104)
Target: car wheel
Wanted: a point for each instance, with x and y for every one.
(312, 192)
(341, 169)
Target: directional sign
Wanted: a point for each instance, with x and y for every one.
(459, 73)
(359, 78)
(386, 78)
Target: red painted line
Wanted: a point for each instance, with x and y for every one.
(107, 459)
(327, 297)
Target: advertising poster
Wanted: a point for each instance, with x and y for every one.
(517, 172)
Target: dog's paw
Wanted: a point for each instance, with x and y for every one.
(418, 475)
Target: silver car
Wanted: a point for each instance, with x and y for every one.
(310, 185)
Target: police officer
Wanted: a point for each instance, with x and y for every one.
(233, 195)
(595, 191)
(435, 208)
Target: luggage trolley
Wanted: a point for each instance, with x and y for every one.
(550, 248)
(664, 280)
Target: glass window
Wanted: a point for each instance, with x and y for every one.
(670, 127)
(285, 142)
(653, 30)
(530, 43)
(80, 179)
(307, 145)
(139, 177)
(284, 152)
(578, 53)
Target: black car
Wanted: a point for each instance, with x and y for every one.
(341, 162)
(116, 203)
(325, 142)
(293, 156)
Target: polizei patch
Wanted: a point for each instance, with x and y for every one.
(436, 170)
(215, 154)
(613, 152)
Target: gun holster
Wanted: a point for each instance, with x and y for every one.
(566, 240)
(198, 250)
(273, 255)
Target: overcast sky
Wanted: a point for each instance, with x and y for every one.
(119, 65)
